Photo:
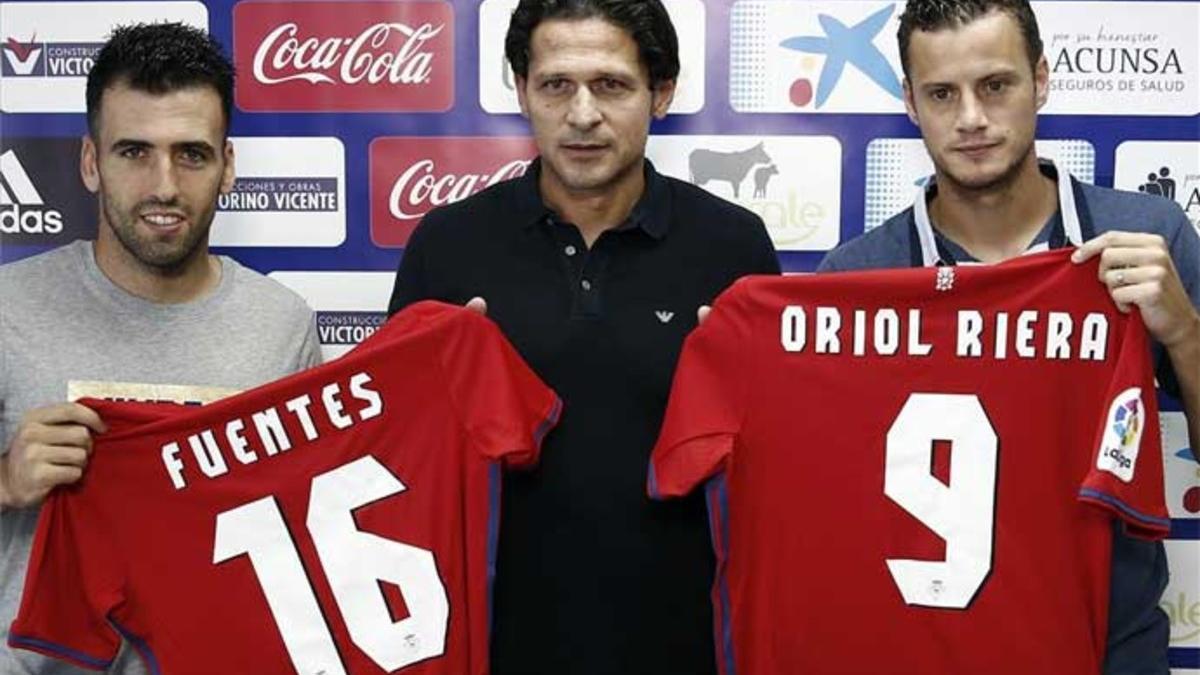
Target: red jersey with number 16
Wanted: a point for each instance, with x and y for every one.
(915, 471)
(341, 521)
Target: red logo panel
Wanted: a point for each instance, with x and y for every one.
(411, 175)
(344, 56)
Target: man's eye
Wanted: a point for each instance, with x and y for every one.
(133, 152)
(940, 94)
(611, 85)
(555, 85)
(194, 156)
(996, 86)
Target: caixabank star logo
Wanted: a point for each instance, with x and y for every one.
(817, 57)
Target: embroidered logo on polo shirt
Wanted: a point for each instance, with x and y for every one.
(664, 316)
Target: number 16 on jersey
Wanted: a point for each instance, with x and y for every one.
(353, 561)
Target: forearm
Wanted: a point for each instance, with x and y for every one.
(5, 501)
(1185, 361)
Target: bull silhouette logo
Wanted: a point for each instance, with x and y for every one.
(732, 167)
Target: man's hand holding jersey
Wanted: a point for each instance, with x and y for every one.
(1138, 270)
(50, 448)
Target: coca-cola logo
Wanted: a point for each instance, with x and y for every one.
(365, 56)
(284, 57)
(421, 187)
(411, 176)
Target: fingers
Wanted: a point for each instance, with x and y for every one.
(702, 314)
(1117, 240)
(66, 413)
(477, 305)
(67, 435)
(54, 475)
(1117, 258)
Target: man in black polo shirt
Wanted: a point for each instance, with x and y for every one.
(594, 265)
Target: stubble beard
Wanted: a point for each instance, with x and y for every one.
(989, 184)
(161, 258)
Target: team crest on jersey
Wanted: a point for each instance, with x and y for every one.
(945, 279)
(1122, 434)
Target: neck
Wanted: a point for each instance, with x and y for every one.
(190, 280)
(594, 211)
(997, 222)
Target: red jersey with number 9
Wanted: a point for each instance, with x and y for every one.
(341, 521)
(916, 471)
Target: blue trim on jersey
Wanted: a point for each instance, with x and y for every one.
(140, 645)
(493, 536)
(548, 422)
(717, 496)
(1164, 523)
(21, 641)
(652, 482)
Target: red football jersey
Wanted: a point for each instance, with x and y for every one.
(339, 521)
(915, 471)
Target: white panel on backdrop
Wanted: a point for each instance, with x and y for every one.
(49, 46)
(793, 182)
(1181, 600)
(350, 306)
(816, 57)
(497, 91)
(1167, 168)
(1121, 58)
(1182, 471)
(289, 192)
(897, 166)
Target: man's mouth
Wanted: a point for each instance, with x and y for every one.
(163, 219)
(976, 149)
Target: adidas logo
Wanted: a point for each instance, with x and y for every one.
(664, 316)
(22, 57)
(22, 210)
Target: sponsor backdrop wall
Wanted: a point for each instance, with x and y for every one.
(354, 118)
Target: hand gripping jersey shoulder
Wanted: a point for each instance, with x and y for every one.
(341, 521)
(918, 464)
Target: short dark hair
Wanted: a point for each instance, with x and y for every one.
(646, 21)
(932, 15)
(159, 58)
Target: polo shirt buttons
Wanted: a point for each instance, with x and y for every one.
(587, 285)
(569, 250)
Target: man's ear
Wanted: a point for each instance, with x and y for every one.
(662, 94)
(88, 168)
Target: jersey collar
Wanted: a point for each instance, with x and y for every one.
(1072, 231)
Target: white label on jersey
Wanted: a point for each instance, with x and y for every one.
(139, 391)
(1122, 435)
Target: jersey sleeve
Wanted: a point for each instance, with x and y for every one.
(707, 402)
(72, 585)
(1125, 474)
(506, 409)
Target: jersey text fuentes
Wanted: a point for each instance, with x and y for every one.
(1029, 334)
(210, 446)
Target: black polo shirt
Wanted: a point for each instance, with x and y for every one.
(592, 576)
